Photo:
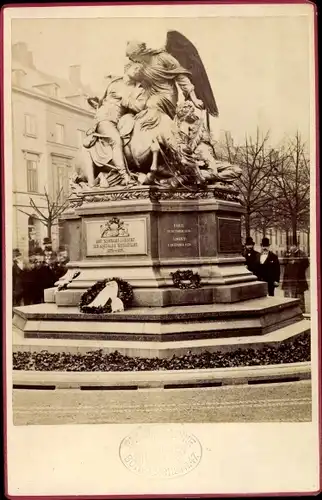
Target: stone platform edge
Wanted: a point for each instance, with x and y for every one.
(45, 311)
(162, 379)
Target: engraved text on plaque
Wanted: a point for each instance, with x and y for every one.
(116, 236)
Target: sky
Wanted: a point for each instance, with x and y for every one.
(258, 66)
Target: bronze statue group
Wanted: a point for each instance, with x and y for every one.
(42, 270)
(137, 137)
(266, 266)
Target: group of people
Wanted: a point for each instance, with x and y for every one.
(266, 266)
(43, 269)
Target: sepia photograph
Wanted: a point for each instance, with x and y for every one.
(161, 224)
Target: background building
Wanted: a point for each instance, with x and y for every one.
(278, 240)
(49, 119)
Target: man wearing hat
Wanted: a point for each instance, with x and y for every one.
(269, 267)
(37, 276)
(17, 277)
(60, 267)
(294, 279)
(251, 256)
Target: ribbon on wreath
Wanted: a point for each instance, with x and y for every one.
(107, 296)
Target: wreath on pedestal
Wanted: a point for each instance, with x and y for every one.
(125, 294)
(186, 279)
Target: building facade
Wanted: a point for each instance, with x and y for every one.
(50, 117)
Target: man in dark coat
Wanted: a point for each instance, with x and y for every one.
(47, 272)
(269, 267)
(38, 277)
(60, 267)
(30, 282)
(17, 278)
(251, 256)
(294, 279)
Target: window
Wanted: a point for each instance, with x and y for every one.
(61, 171)
(80, 137)
(31, 228)
(30, 126)
(32, 176)
(60, 133)
(61, 182)
(32, 234)
(54, 91)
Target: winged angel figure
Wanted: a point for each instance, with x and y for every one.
(141, 135)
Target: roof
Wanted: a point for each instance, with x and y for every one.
(37, 81)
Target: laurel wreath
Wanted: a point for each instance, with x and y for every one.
(180, 279)
(125, 293)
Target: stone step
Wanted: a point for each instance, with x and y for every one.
(169, 296)
(157, 349)
(164, 379)
(248, 308)
(143, 325)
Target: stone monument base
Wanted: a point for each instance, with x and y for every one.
(169, 296)
(160, 331)
(145, 234)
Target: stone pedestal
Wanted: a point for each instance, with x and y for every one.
(144, 234)
(160, 331)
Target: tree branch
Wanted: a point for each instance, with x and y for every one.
(32, 215)
(39, 212)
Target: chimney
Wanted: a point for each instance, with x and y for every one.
(18, 77)
(21, 54)
(75, 75)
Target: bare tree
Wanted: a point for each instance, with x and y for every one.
(49, 215)
(264, 218)
(254, 157)
(291, 182)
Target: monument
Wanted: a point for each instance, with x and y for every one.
(152, 205)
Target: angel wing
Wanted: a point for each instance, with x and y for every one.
(187, 55)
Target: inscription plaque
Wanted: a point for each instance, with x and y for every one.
(179, 235)
(116, 236)
(229, 235)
